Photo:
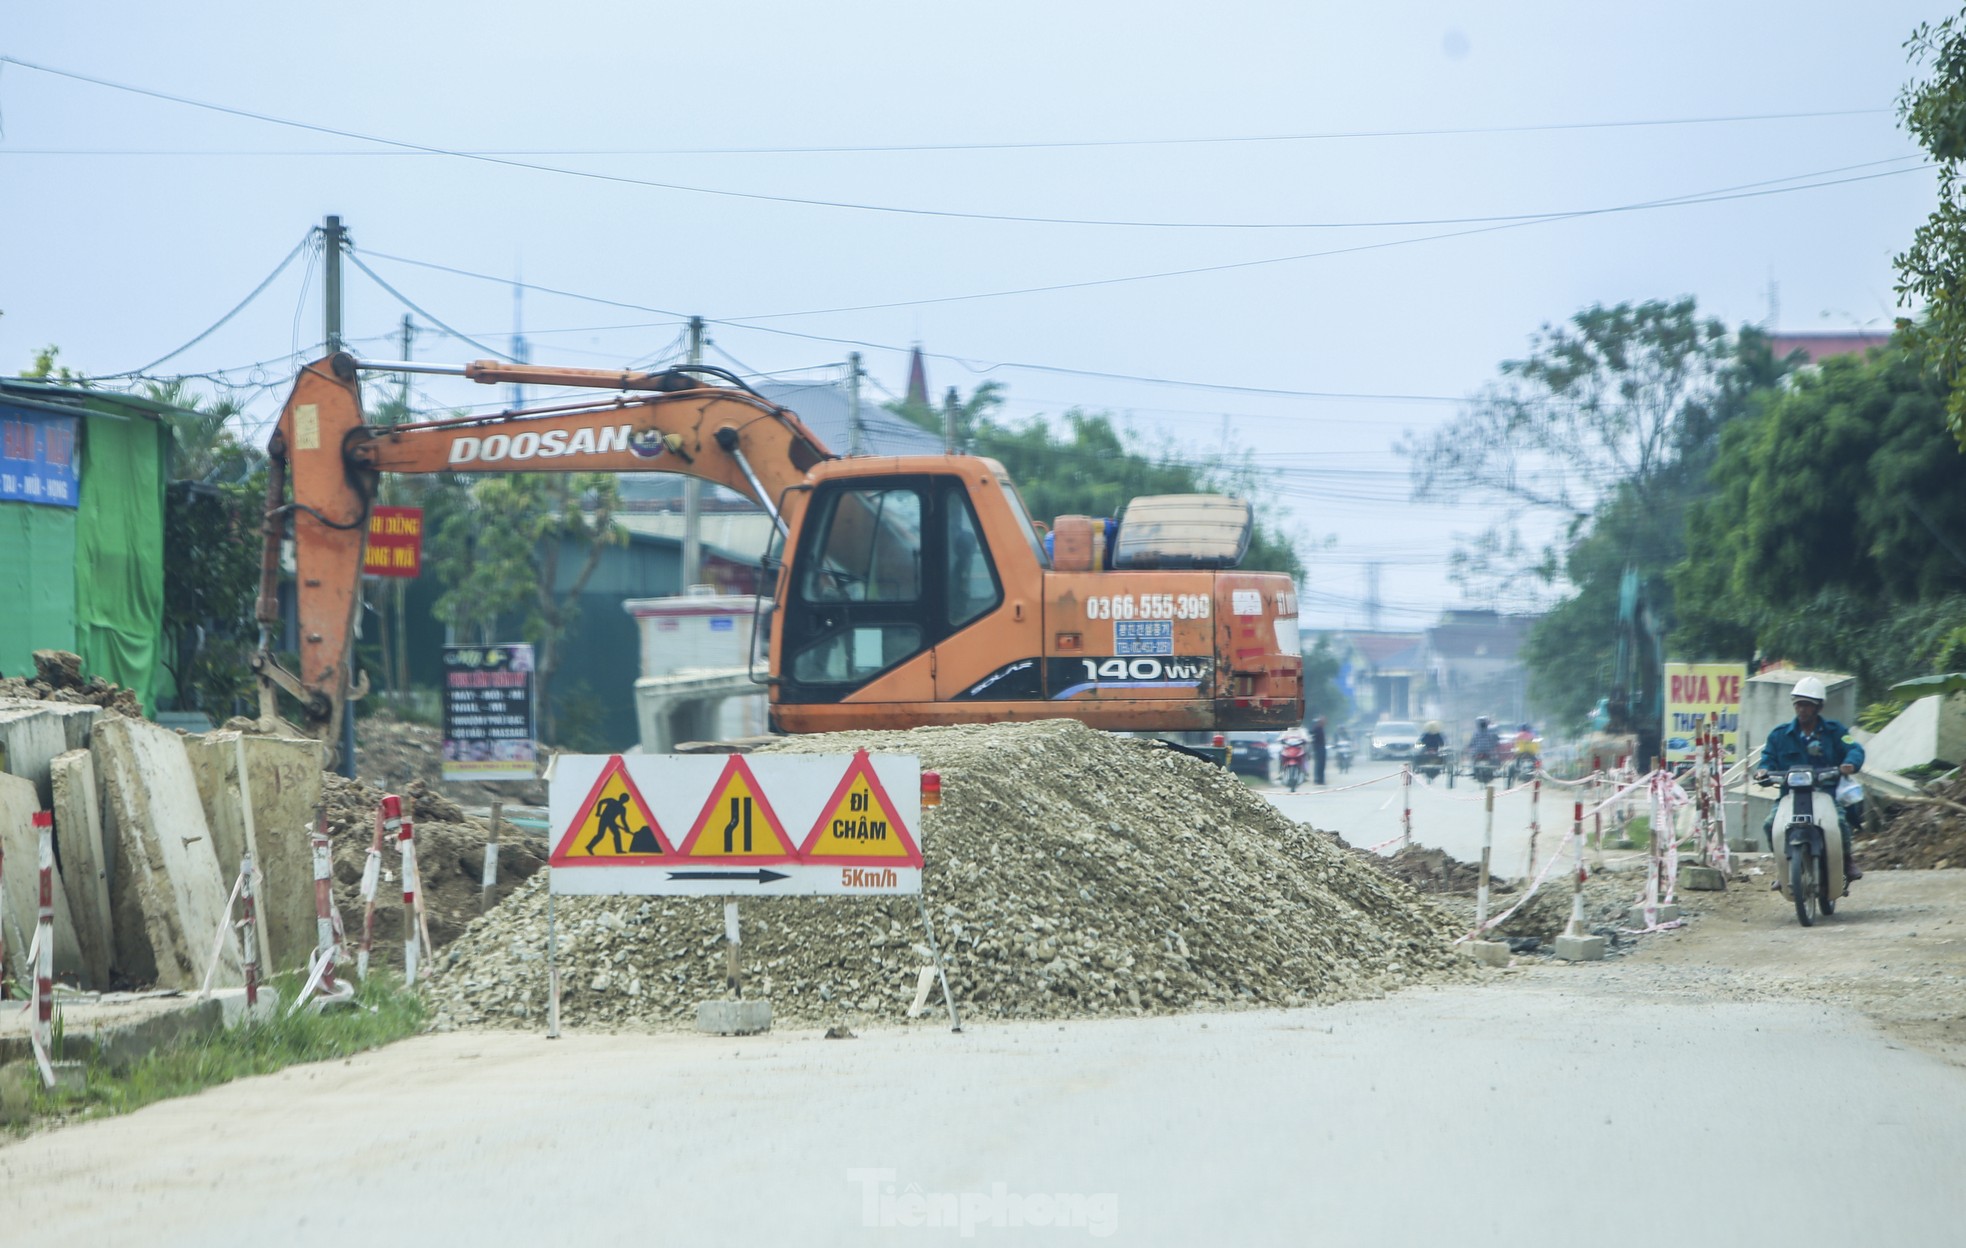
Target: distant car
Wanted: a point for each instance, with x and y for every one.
(1395, 738)
(1249, 754)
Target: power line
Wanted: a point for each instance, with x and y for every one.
(721, 192)
(407, 302)
(1008, 145)
(237, 308)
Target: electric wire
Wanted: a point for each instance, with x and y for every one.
(411, 304)
(723, 192)
(220, 323)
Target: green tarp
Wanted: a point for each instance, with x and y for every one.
(119, 555)
(37, 583)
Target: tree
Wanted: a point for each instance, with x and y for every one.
(1933, 269)
(1604, 404)
(497, 545)
(1836, 532)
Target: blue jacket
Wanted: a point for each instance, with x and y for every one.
(1831, 745)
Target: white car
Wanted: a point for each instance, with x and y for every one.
(1395, 738)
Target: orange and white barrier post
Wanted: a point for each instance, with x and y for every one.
(1487, 848)
(324, 937)
(249, 933)
(406, 841)
(1535, 822)
(388, 818)
(1406, 805)
(1576, 924)
(44, 939)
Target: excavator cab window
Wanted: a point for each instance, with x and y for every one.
(883, 571)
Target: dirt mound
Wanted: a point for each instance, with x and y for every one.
(58, 678)
(450, 849)
(1435, 871)
(1070, 873)
(1923, 835)
(392, 753)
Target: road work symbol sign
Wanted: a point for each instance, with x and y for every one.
(738, 821)
(762, 825)
(859, 824)
(614, 826)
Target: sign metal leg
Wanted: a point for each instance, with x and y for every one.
(935, 950)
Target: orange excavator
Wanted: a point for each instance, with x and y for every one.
(908, 590)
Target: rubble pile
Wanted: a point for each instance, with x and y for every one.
(1435, 871)
(1070, 873)
(1925, 835)
(58, 678)
(392, 753)
(450, 855)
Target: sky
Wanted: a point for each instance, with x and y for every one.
(1241, 227)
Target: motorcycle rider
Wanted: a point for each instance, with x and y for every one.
(1317, 752)
(1811, 741)
(1432, 738)
(1294, 738)
(1485, 743)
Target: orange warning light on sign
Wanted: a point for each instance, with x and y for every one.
(614, 827)
(858, 824)
(738, 822)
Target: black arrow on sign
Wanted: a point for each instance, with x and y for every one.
(761, 875)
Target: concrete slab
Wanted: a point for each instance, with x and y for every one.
(1930, 730)
(1580, 948)
(733, 1018)
(283, 781)
(84, 863)
(166, 890)
(22, 846)
(1636, 915)
(1702, 879)
(1488, 952)
(30, 738)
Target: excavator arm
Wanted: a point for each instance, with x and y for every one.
(661, 422)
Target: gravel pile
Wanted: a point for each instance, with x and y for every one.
(1070, 873)
(1929, 834)
(450, 847)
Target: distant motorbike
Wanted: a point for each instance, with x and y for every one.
(1807, 840)
(1430, 762)
(1484, 768)
(1342, 753)
(1292, 754)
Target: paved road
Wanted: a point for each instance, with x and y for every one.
(1443, 818)
(1535, 1109)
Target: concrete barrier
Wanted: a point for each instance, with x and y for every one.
(166, 891)
(283, 779)
(30, 737)
(22, 846)
(84, 863)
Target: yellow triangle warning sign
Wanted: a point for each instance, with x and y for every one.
(614, 827)
(858, 824)
(738, 822)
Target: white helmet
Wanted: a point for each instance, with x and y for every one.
(1810, 687)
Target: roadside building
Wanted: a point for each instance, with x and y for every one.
(82, 558)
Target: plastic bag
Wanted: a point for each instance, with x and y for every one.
(1849, 792)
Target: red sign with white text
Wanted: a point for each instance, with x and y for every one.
(395, 542)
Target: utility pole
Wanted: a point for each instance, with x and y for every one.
(693, 487)
(1372, 595)
(401, 592)
(855, 440)
(334, 238)
(521, 352)
(949, 406)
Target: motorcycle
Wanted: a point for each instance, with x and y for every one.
(1293, 754)
(1484, 767)
(1342, 752)
(1807, 840)
(1522, 767)
(1430, 762)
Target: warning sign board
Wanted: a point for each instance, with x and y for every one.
(859, 824)
(860, 816)
(738, 821)
(614, 825)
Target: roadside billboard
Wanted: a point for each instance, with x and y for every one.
(488, 713)
(1695, 691)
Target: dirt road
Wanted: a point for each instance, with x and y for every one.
(1720, 1086)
